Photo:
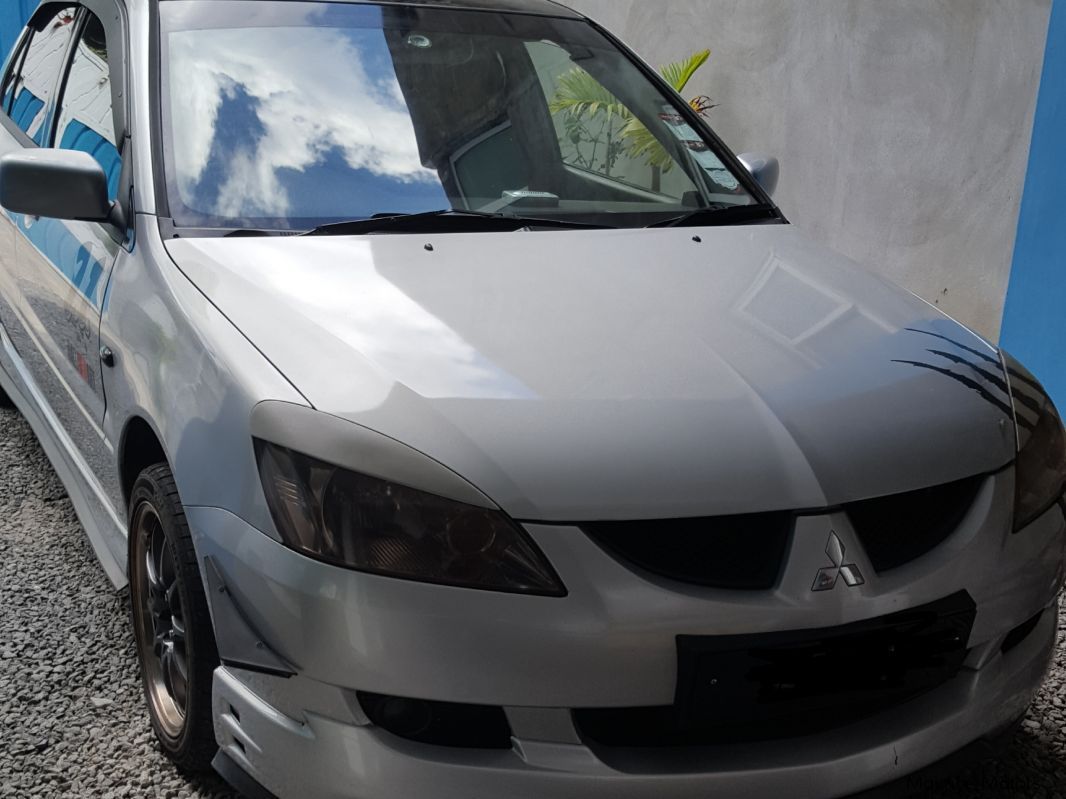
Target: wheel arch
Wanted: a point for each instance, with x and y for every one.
(140, 446)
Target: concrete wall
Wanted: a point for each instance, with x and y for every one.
(903, 126)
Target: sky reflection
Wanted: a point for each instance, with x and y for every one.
(292, 122)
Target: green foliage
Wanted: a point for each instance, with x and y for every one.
(580, 94)
(585, 104)
(680, 73)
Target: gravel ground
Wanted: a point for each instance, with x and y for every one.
(72, 722)
(72, 717)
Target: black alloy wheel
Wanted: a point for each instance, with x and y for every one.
(171, 623)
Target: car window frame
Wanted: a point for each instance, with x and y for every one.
(114, 18)
(45, 13)
(61, 85)
(112, 15)
(13, 65)
(61, 90)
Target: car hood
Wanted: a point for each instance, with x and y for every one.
(599, 375)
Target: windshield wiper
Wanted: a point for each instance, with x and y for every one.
(447, 221)
(721, 215)
(252, 233)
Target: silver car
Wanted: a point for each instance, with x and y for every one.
(469, 422)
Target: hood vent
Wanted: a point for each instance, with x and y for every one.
(741, 553)
(897, 529)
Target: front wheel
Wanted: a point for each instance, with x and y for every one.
(171, 622)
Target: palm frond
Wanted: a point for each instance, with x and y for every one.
(680, 73)
(641, 142)
(580, 94)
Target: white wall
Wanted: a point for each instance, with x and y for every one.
(903, 126)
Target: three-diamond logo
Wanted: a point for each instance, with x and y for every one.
(827, 578)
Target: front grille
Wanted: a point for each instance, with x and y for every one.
(734, 552)
(897, 529)
(781, 685)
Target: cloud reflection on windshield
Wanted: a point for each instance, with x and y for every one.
(255, 107)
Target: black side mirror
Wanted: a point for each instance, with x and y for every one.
(61, 184)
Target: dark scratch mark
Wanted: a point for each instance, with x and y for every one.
(982, 355)
(985, 394)
(996, 380)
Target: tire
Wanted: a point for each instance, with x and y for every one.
(5, 400)
(171, 622)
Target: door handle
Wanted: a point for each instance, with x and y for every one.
(107, 357)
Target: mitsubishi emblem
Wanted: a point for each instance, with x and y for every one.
(827, 578)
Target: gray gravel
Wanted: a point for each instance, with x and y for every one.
(72, 717)
(72, 721)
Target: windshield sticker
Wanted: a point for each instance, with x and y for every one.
(701, 153)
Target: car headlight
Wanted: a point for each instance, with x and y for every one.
(371, 525)
(1040, 469)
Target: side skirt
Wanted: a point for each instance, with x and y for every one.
(106, 531)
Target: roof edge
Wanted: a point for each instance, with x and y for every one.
(542, 8)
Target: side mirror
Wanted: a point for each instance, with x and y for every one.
(61, 184)
(764, 168)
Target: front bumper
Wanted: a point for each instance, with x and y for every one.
(610, 643)
(323, 757)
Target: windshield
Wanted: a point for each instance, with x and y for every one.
(290, 116)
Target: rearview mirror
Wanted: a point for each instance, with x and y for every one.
(61, 184)
(764, 168)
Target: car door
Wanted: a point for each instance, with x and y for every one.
(9, 301)
(63, 266)
(30, 82)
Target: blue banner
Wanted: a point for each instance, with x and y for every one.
(1034, 323)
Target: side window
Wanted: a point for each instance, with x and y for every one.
(598, 134)
(85, 119)
(490, 165)
(8, 89)
(33, 88)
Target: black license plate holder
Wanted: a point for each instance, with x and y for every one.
(763, 685)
